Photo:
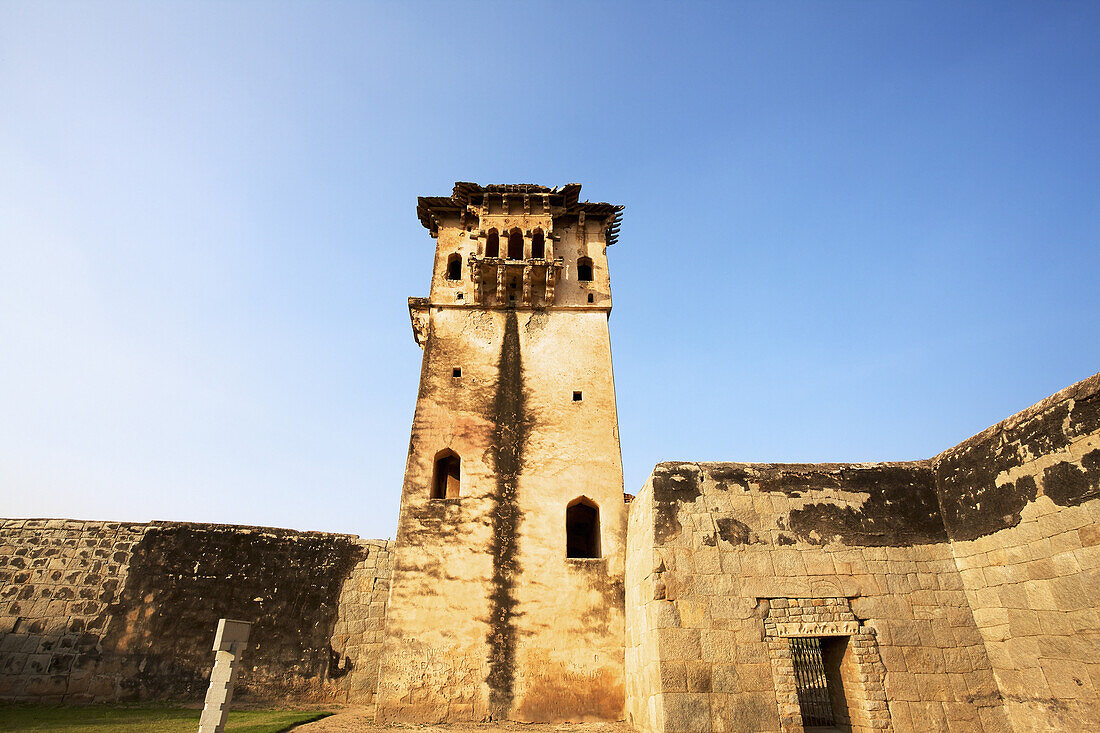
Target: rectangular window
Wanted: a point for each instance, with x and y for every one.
(577, 397)
(456, 372)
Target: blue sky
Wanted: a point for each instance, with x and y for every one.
(854, 231)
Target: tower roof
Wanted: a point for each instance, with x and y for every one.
(563, 199)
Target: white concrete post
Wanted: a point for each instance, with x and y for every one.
(229, 644)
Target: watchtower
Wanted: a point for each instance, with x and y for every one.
(507, 589)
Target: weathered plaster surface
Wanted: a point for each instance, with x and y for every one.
(488, 618)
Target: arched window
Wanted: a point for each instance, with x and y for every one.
(515, 245)
(582, 528)
(584, 270)
(446, 481)
(492, 244)
(454, 267)
(538, 245)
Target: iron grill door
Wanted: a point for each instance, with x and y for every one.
(810, 682)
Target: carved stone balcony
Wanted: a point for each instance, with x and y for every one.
(502, 283)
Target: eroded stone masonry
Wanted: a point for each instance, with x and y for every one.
(957, 593)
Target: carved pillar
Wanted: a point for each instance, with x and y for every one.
(475, 276)
(553, 269)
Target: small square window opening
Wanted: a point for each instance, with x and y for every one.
(591, 298)
(577, 397)
(456, 372)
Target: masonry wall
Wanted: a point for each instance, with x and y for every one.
(749, 554)
(644, 698)
(96, 611)
(1020, 505)
(59, 580)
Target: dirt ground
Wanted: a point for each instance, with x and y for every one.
(353, 720)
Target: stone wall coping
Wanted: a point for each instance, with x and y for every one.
(61, 523)
(1079, 390)
(795, 467)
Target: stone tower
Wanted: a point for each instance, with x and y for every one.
(507, 594)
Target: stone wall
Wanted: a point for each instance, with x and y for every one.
(1020, 505)
(644, 700)
(966, 587)
(106, 611)
(737, 545)
(59, 581)
(360, 624)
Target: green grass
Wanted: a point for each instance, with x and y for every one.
(113, 719)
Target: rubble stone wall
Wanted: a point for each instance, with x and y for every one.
(59, 580)
(94, 611)
(1020, 504)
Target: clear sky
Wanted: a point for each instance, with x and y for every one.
(854, 231)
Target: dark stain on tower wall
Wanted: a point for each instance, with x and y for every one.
(510, 429)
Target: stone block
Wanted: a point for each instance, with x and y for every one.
(718, 646)
(756, 677)
(686, 712)
(679, 644)
(1068, 679)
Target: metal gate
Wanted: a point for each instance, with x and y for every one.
(810, 682)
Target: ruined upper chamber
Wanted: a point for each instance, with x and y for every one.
(518, 246)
